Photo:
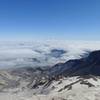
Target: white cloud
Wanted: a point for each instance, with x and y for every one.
(20, 54)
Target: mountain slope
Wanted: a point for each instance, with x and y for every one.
(79, 67)
(59, 82)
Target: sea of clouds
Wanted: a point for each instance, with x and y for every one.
(44, 53)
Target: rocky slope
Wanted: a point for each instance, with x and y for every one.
(77, 79)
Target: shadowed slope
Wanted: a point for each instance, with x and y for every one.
(79, 67)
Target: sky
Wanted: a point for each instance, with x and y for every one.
(50, 19)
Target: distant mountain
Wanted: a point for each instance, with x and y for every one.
(78, 67)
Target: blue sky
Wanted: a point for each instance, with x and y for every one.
(49, 19)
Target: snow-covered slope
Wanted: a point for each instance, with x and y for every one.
(73, 88)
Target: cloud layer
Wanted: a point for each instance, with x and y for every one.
(48, 53)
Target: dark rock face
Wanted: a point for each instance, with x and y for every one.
(94, 57)
(78, 67)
